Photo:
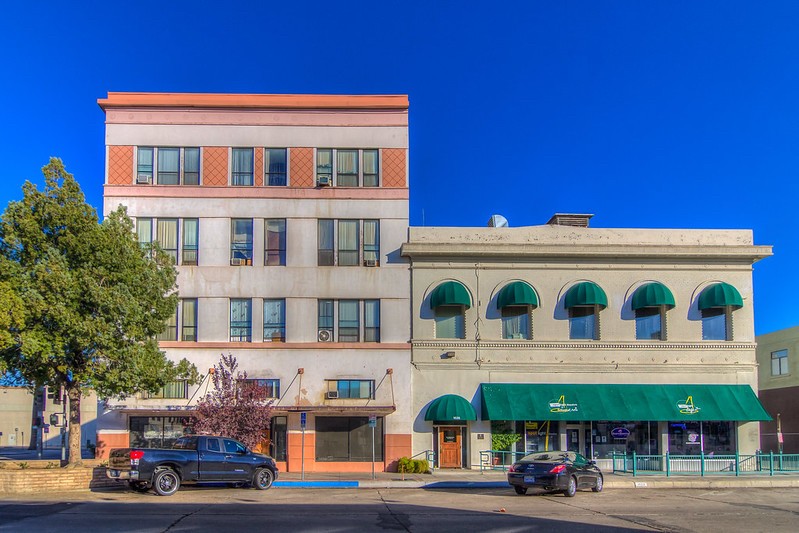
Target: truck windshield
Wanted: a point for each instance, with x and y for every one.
(185, 443)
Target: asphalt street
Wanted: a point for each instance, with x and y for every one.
(416, 510)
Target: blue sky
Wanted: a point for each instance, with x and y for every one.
(647, 114)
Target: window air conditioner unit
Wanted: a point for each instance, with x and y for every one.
(324, 181)
(332, 395)
(237, 261)
(370, 262)
(144, 180)
(325, 335)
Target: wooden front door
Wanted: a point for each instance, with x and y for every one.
(449, 447)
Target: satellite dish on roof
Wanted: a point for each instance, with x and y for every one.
(497, 221)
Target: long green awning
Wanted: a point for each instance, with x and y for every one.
(544, 401)
(450, 293)
(652, 295)
(720, 295)
(586, 293)
(450, 407)
(516, 293)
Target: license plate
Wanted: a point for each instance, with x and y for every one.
(529, 479)
(115, 473)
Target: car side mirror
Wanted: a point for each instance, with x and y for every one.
(591, 463)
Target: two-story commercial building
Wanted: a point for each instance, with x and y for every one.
(284, 215)
(777, 354)
(586, 339)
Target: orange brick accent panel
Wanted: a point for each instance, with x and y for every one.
(294, 451)
(397, 446)
(215, 166)
(302, 167)
(258, 166)
(120, 165)
(107, 441)
(395, 166)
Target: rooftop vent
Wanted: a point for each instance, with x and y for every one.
(497, 221)
(569, 219)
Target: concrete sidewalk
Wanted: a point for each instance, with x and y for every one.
(474, 479)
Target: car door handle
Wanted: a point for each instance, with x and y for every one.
(228, 456)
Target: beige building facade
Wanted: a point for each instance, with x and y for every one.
(285, 215)
(777, 354)
(572, 337)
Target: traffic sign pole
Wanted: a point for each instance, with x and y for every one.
(302, 446)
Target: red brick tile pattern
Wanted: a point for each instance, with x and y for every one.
(395, 166)
(120, 165)
(258, 166)
(302, 167)
(215, 166)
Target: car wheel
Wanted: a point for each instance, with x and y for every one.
(599, 484)
(139, 486)
(521, 491)
(572, 490)
(263, 478)
(166, 482)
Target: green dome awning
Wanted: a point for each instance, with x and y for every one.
(450, 293)
(517, 293)
(450, 407)
(720, 295)
(652, 294)
(586, 293)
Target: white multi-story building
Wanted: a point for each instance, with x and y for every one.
(285, 215)
(593, 340)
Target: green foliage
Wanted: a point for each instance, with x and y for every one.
(504, 441)
(23, 465)
(82, 300)
(50, 465)
(406, 465)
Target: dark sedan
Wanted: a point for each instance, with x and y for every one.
(555, 472)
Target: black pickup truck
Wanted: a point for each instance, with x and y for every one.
(192, 459)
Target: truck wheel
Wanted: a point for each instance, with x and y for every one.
(139, 486)
(263, 478)
(166, 482)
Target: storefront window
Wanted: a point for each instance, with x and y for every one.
(692, 438)
(718, 437)
(157, 431)
(541, 436)
(348, 439)
(624, 437)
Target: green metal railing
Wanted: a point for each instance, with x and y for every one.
(705, 464)
(498, 459)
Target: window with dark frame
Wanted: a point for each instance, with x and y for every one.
(241, 241)
(274, 320)
(584, 322)
(275, 167)
(167, 165)
(240, 320)
(191, 238)
(340, 320)
(348, 439)
(649, 323)
(267, 388)
(275, 231)
(779, 363)
(241, 167)
(348, 167)
(189, 320)
(347, 242)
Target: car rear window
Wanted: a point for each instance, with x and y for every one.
(549, 457)
(185, 443)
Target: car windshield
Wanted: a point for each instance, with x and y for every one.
(549, 457)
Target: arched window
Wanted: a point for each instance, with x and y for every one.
(716, 303)
(516, 301)
(650, 303)
(584, 302)
(449, 302)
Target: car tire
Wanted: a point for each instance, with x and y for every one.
(572, 489)
(599, 484)
(166, 482)
(139, 486)
(263, 479)
(521, 491)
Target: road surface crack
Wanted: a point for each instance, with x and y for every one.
(392, 520)
(176, 522)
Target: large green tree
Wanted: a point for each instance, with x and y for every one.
(94, 299)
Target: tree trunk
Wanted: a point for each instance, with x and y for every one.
(73, 393)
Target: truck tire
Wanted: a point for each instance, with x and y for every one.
(263, 478)
(166, 482)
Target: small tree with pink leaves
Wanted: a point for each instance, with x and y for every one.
(235, 408)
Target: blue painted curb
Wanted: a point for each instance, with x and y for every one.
(316, 484)
(467, 485)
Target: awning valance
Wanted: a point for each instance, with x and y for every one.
(720, 295)
(450, 407)
(584, 294)
(517, 293)
(652, 295)
(533, 401)
(450, 293)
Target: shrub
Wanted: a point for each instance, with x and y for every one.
(421, 466)
(405, 465)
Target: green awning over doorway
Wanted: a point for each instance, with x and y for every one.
(545, 401)
(584, 294)
(652, 295)
(449, 408)
(450, 293)
(517, 293)
(720, 295)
